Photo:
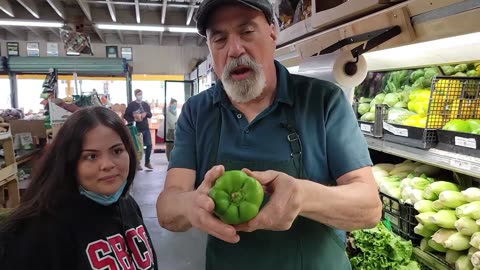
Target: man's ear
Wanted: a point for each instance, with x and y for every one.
(273, 32)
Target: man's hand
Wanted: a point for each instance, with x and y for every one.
(200, 213)
(143, 115)
(283, 206)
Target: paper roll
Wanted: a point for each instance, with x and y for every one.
(332, 67)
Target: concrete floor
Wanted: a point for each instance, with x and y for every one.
(175, 251)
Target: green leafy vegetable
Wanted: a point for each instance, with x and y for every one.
(379, 249)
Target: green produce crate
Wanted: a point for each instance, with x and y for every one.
(401, 216)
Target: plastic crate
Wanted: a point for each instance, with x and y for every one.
(374, 129)
(410, 136)
(458, 142)
(401, 216)
(453, 98)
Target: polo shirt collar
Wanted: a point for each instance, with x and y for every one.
(284, 92)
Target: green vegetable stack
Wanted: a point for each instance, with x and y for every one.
(407, 95)
(449, 217)
(379, 249)
(237, 197)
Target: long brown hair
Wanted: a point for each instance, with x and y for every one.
(54, 179)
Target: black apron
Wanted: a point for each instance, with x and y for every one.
(307, 245)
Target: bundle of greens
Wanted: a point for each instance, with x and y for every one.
(378, 248)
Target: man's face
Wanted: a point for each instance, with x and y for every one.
(242, 45)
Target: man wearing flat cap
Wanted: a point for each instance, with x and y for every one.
(297, 136)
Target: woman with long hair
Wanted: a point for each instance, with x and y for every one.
(77, 212)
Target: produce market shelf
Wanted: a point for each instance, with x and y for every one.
(429, 260)
(467, 165)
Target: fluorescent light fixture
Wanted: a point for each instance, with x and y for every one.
(131, 27)
(6, 22)
(182, 29)
(456, 49)
(150, 28)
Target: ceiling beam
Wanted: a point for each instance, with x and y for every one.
(31, 7)
(140, 37)
(120, 36)
(7, 8)
(85, 8)
(137, 11)
(111, 9)
(142, 4)
(38, 33)
(191, 9)
(164, 11)
(14, 32)
(99, 34)
(181, 39)
(58, 7)
(160, 40)
(55, 31)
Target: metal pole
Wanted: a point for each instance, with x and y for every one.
(128, 77)
(13, 89)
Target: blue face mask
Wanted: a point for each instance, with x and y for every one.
(139, 98)
(173, 108)
(102, 199)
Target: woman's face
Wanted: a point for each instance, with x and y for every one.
(104, 162)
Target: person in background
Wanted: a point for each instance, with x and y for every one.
(171, 122)
(139, 111)
(297, 136)
(77, 212)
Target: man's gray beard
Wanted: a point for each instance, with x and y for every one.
(247, 89)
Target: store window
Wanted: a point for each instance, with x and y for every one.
(116, 89)
(153, 91)
(29, 91)
(5, 95)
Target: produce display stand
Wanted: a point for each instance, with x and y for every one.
(9, 194)
(420, 21)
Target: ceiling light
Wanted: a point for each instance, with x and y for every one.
(183, 29)
(31, 23)
(150, 28)
(131, 27)
(457, 49)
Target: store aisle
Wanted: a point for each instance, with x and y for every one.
(175, 251)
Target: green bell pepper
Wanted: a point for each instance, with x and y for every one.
(237, 197)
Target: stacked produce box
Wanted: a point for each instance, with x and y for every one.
(448, 215)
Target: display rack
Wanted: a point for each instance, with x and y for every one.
(430, 260)
(467, 165)
(9, 194)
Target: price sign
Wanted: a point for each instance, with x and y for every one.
(466, 142)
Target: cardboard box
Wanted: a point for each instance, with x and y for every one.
(35, 127)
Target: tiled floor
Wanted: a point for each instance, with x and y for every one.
(175, 251)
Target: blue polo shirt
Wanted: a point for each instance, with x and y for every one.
(332, 142)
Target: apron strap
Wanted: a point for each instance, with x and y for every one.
(294, 140)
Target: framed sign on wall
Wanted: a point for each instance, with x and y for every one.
(13, 49)
(127, 53)
(33, 49)
(112, 51)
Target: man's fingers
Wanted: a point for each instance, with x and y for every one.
(264, 178)
(210, 178)
(217, 228)
(206, 203)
